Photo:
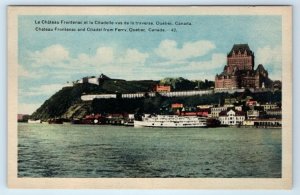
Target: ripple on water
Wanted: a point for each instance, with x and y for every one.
(111, 151)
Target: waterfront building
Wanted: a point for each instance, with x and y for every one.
(263, 122)
(252, 114)
(23, 117)
(231, 117)
(269, 106)
(239, 71)
(216, 110)
(277, 112)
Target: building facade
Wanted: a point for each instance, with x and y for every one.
(269, 106)
(252, 114)
(231, 117)
(216, 110)
(239, 71)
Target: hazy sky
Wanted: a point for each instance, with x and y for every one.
(47, 60)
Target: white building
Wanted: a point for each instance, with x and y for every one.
(133, 95)
(98, 96)
(93, 80)
(238, 108)
(274, 112)
(269, 106)
(252, 114)
(231, 117)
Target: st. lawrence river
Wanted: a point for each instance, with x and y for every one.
(86, 151)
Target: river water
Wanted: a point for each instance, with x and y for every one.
(65, 151)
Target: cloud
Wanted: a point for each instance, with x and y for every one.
(27, 108)
(271, 58)
(268, 55)
(196, 69)
(111, 62)
(217, 61)
(53, 55)
(103, 55)
(168, 49)
(134, 56)
(24, 73)
(106, 56)
(55, 61)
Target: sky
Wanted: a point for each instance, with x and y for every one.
(48, 60)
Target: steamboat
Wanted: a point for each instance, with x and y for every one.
(170, 121)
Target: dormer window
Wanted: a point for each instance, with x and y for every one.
(239, 54)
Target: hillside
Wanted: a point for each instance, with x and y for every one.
(66, 103)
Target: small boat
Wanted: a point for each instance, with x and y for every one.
(34, 121)
(173, 121)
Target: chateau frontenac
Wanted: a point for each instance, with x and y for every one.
(239, 71)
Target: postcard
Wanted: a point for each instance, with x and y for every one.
(137, 97)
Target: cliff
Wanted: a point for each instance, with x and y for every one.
(66, 103)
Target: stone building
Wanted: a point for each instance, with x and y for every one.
(239, 71)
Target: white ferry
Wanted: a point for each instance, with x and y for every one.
(171, 121)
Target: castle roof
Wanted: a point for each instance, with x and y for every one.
(260, 68)
(240, 47)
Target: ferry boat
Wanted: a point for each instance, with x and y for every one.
(171, 121)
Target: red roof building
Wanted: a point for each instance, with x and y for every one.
(162, 88)
(176, 105)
